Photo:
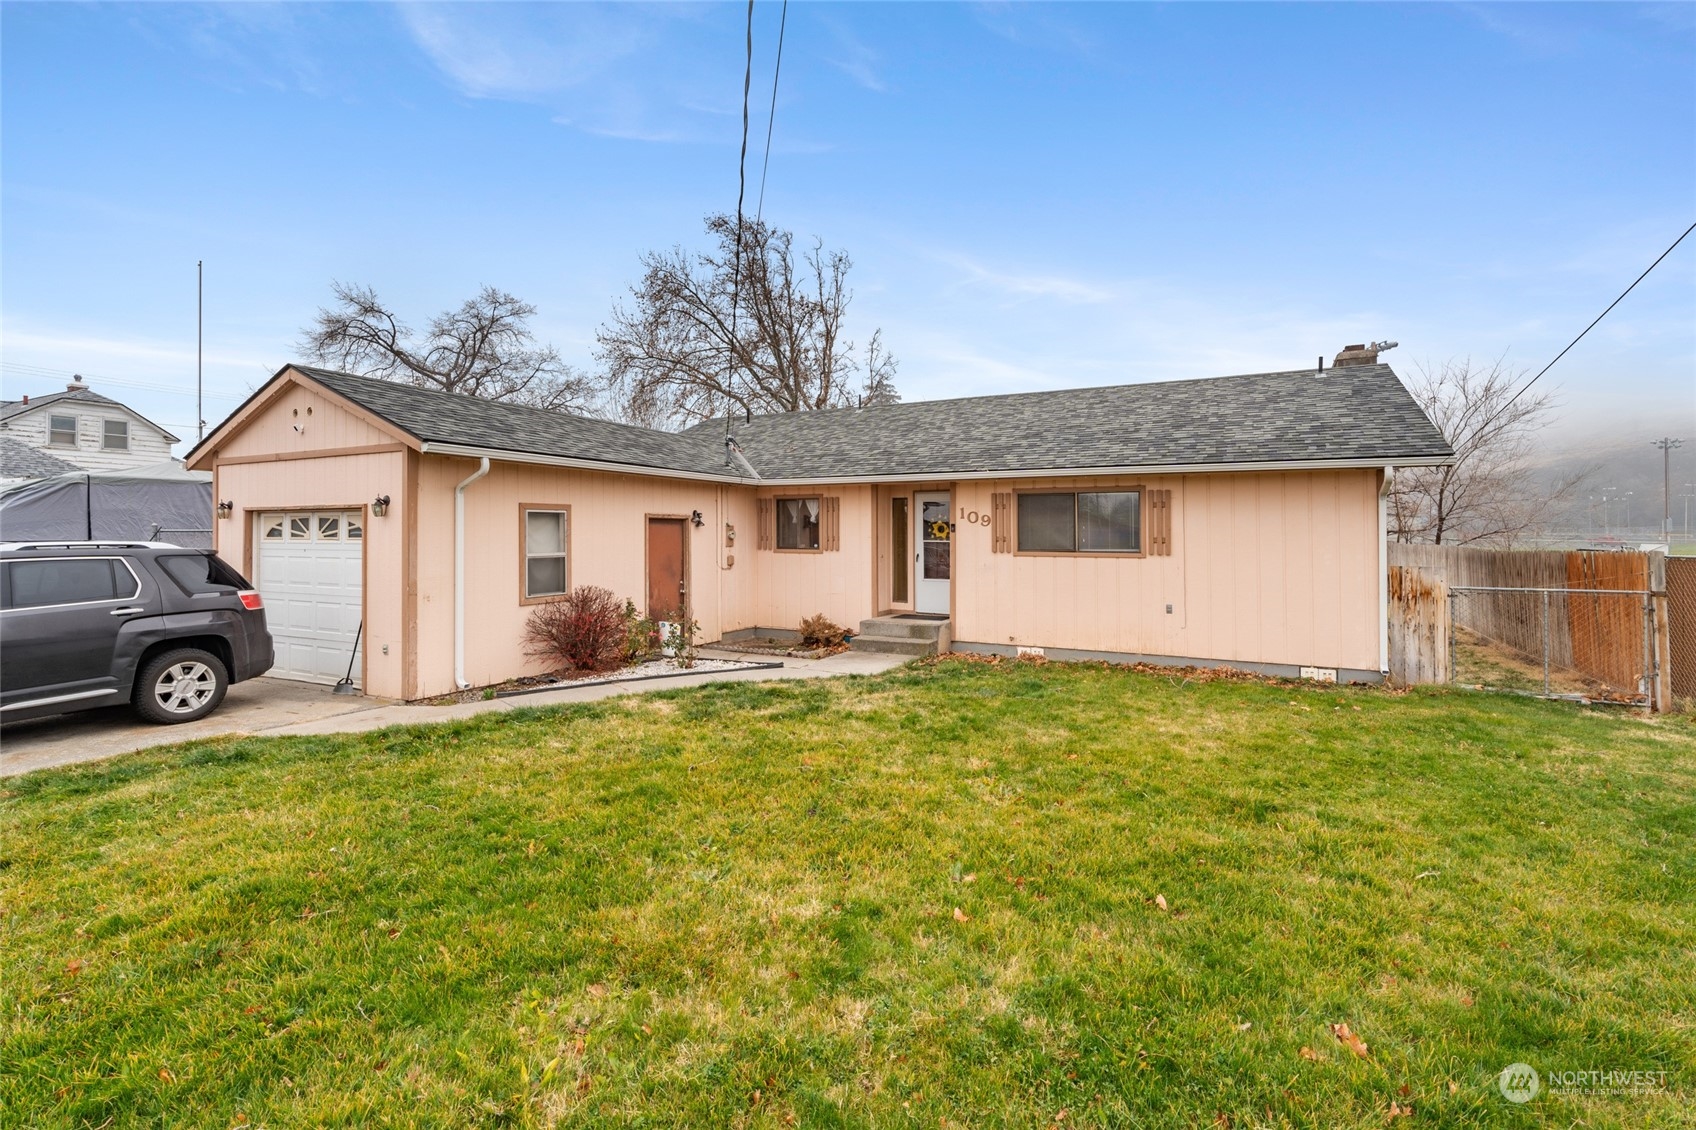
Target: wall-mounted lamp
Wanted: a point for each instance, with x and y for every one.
(697, 519)
(380, 506)
(225, 509)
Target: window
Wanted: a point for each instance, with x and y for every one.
(77, 580)
(117, 436)
(62, 431)
(546, 541)
(899, 565)
(797, 523)
(201, 573)
(1096, 522)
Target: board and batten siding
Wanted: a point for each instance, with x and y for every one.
(607, 548)
(791, 585)
(1275, 567)
(148, 444)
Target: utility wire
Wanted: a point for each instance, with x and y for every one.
(741, 189)
(771, 118)
(1589, 327)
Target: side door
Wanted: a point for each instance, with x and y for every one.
(64, 620)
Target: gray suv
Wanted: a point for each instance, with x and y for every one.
(91, 624)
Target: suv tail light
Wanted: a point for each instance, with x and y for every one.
(251, 600)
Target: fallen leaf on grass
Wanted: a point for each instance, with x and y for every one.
(961, 916)
(1466, 1000)
(597, 990)
(1349, 1040)
(1245, 1026)
(1399, 1111)
(583, 1084)
(1309, 1053)
(1160, 901)
(73, 966)
(1454, 1088)
(166, 1075)
(396, 932)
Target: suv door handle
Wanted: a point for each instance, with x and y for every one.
(127, 611)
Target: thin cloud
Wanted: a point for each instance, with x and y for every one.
(1057, 287)
(855, 58)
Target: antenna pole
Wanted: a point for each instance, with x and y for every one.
(199, 338)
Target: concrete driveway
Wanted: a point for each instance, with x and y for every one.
(280, 707)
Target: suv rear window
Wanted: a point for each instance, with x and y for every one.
(201, 573)
(78, 580)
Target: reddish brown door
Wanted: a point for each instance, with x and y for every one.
(667, 597)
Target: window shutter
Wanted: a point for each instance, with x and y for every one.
(767, 523)
(1001, 523)
(1160, 523)
(830, 523)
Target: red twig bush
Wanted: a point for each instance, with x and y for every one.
(585, 630)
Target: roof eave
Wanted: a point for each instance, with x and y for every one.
(471, 451)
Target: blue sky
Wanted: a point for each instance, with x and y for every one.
(1035, 196)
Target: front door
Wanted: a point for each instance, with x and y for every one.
(934, 563)
(667, 594)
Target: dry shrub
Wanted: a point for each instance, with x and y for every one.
(585, 630)
(821, 631)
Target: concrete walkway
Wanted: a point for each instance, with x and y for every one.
(280, 707)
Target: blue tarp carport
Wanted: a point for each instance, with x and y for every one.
(159, 502)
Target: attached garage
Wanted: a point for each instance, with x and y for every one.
(311, 573)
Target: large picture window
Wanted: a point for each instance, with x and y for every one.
(797, 523)
(547, 539)
(1082, 522)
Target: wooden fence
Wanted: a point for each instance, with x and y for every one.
(1613, 640)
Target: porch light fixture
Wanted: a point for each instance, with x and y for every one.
(380, 506)
(697, 519)
(226, 508)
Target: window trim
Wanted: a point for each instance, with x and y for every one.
(524, 509)
(106, 435)
(776, 509)
(134, 576)
(1089, 554)
(76, 430)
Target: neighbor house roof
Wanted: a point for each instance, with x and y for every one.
(18, 460)
(11, 408)
(1359, 415)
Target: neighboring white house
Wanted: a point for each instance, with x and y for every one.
(85, 429)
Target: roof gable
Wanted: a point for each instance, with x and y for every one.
(12, 409)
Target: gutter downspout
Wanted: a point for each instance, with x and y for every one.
(1384, 572)
(459, 573)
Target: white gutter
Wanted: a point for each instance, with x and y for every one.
(459, 573)
(465, 451)
(1384, 571)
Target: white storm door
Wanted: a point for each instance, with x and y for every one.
(311, 576)
(934, 564)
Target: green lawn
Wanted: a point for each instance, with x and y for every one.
(928, 898)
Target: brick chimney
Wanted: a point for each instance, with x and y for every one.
(1361, 354)
(76, 384)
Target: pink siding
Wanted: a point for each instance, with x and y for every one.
(790, 586)
(324, 425)
(338, 482)
(1270, 568)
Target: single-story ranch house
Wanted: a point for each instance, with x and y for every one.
(1236, 520)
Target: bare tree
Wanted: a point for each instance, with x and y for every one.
(1491, 493)
(702, 337)
(483, 349)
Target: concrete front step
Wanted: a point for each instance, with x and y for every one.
(891, 636)
(911, 629)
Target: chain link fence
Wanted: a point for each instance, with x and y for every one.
(1595, 645)
(1681, 629)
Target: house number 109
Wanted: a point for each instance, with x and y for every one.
(974, 517)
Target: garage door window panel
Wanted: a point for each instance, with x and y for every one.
(547, 551)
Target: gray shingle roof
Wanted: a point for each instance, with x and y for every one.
(1359, 413)
(18, 460)
(1356, 414)
(445, 417)
(10, 408)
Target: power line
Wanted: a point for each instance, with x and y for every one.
(741, 190)
(771, 118)
(1591, 326)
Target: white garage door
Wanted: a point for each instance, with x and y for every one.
(310, 576)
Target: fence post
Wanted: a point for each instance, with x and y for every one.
(1454, 675)
(1545, 643)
